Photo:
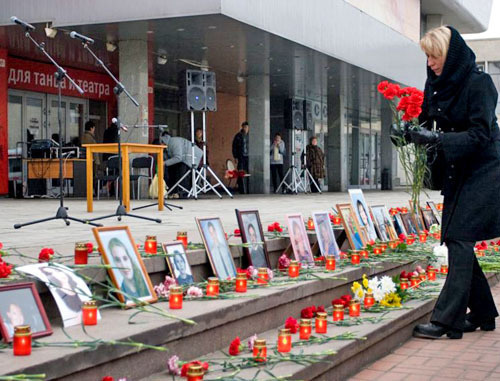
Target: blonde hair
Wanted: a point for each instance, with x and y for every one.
(436, 42)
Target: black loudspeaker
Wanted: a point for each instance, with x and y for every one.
(294, 114)
(192, 90)
(308, 116)
(210, 91)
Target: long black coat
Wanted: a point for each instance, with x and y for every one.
(461, 102)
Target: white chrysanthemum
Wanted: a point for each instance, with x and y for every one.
(378, 294)
(373, 283)
(387, 285)
(441, 253)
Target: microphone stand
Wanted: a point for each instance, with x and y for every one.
(118, 89)
(60, 74)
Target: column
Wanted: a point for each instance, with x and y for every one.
(258, 111)
(336, 142)
(4, 143)
(433, 21)
(386, 147)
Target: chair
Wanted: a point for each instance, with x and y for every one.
(111, 174)
(144, 162)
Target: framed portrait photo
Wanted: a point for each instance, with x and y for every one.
(299, 239)
(383, 223)
(435, 211)
(354, 234)
(218, 251)
(68, 289)
(324, 232)
(127, 271)
(178, 263)
(398, 224)
(252, 234)
(20, 304)
(409, 223)
(362, 213)
(417, 217)
(428, 218)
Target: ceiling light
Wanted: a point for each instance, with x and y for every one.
(180, 29)
(162, 60)
(110, 47)
(49, 31)
(204, 47)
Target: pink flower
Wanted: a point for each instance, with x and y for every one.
(270, 274)
(283, 262)
(195, 292)
(251, 342)
(173, 365)
(252, 272)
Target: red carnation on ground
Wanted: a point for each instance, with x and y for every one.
(90, 247)
(45, 254)
(5, 269)
(186, 366)
(237, 232)
(382, 86)
(291, 324)
(402, 237)
(1, 245)
(403, 275)
(346, 298)
(338, 301)
(320, 309)
(308, 312)
(235, 347)
(108, 378)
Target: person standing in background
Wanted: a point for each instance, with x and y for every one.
(198, 140)
(110, 136)
(240, 153)
(315, 162)
(89, 138)
(278, 151)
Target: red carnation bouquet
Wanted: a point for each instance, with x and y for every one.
(406, 106)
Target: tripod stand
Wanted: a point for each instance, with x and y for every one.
(60, 74)
(199, 175)
(307, 175)
(118, 89)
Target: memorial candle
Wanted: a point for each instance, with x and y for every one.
(305, 329)
(383, 246)
(422, 276)
(338, 312)
(364, 253)
(194, 373)
(354, 308)
(410, 240)
(369, 300)
(81, 253)
(22, 340)
(444, 269)
(495, 248)
(377, 250)
(321, 324)
(403, 284)
(213, 287)
(183, 237)
(150, 245)
(480, 252)
(414, 281)
(355, 257)
(175, 298)
(241, 282)
(310, 224)
(260, 350)
(422, 237)
(330, 262)
(284, 340)
(262, 275)
(293, 269)
(393, 244)
(89, 312)
(431, 273)
(337, 220)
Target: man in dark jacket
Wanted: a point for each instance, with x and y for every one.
(240, 153)
(459, 102)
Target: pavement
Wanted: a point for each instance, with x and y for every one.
(55, 234)
(474, 357)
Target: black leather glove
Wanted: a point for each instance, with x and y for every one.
(399, 135)
(423, 137)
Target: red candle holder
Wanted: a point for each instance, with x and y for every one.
(403, 284)
(383, 246)
(369, 300)
(89, 312)
(377, 250)
(422, 237)
(241, 282)
(213, 287)
(22, 340)
(293, 269)
(364, 254)
(305, 329)
(393, 244)
(260, 350)
(354, 308)
(336, 220)
(262, 275)
(414, 281)
(410, 240)
(437, 236)
(183, 237)
(194, 373)
(150, 246)
(355, 257)
(431, 273)
(175, 298)
(321, 324)
(330, 262)
(338, 312)
(284, 340)
(444, 269)
(480, 253)
(310, 224)
(422, 276)
(81, 253)
(495, 248)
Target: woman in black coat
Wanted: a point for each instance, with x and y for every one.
(459, 119)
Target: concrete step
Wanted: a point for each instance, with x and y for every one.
(218, 322)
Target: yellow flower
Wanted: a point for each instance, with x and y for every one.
(360, 294)
(365, 282)
(369, 290)
(391, 300)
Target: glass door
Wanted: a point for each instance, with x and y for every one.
(73, 112)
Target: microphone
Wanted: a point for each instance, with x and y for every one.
(81, 37)
(22, 23)
(122, 126)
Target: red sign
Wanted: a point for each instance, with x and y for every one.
(37, 76)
